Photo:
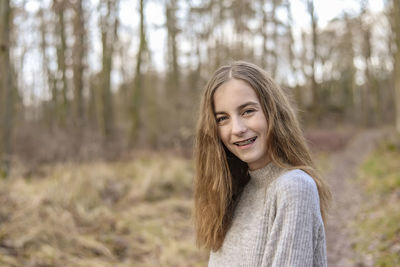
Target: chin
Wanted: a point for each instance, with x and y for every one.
(248, 160)
(258, 159)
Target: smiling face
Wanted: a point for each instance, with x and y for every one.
(242, 126)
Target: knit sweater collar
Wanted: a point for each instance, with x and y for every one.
(265, 175)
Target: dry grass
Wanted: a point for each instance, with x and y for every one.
(100, 214)
(135, 213)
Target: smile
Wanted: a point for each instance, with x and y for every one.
(246, 142)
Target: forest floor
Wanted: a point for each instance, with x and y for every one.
(348, 197)
(137, 212)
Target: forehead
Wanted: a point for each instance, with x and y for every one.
(232, 94)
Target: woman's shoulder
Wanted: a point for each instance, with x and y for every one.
(296, 179)
(296, 184)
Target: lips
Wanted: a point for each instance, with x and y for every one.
(246, 142)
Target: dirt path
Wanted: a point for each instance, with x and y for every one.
(346, 196)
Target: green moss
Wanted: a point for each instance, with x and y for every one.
(378, 226)
(381, 171)
(388, 260)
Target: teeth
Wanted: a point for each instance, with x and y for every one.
(246, 142)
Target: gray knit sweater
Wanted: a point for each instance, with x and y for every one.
(277, 222)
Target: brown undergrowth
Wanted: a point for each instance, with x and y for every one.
(100, 214)
(122, 213)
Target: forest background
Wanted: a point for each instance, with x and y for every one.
(94, 119)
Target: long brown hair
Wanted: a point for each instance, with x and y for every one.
(221, 176)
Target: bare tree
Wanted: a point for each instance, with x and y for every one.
(314, 33)
(396, 73)
(349, 74)
(290, 38)
(370, 97)
(59, 7)
(173, 71)
(138, 84)
(274, 52)
(79, 55)
(264, 34)
(48, 74)
(6, 87)
(109, 29)
(172, 31)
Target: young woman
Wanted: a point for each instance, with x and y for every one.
(258, 199)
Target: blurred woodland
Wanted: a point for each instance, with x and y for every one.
(96, 131)
(70, 108)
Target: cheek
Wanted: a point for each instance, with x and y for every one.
(262, 124)
(223, 135)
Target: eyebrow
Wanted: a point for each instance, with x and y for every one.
(249, 103)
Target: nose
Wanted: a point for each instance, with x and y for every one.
(238, 126)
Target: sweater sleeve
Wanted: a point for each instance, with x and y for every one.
(295, 230)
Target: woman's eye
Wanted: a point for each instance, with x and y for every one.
(221, 119)
(248, 111)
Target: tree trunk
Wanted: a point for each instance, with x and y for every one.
(264, 55)
(314, 86)
(290, 38)
(274, 52)
(350, 88)
(109, 26)
(94, 102)
(139, 79)
(396, 73)
(61, 48)
(48, 75)
(369, 116)
(6, 89)
(79, 55)
(172, 32)
(173, 73)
